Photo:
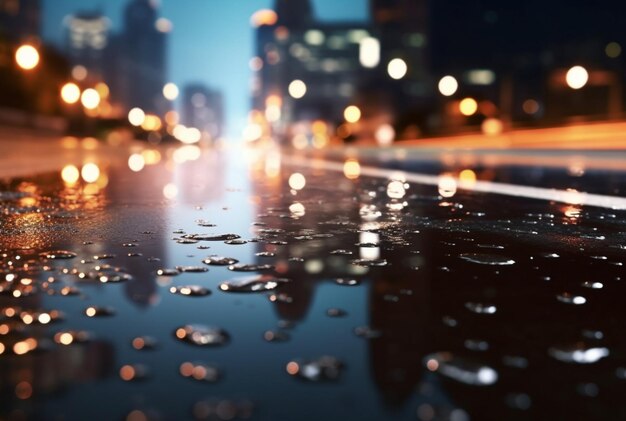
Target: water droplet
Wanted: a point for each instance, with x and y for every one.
(97, 311)
(104, 256)
(190, 290)
(192, 269)
(276, 336)
(199, 371)
(265, 254)
(341, 252)
(568, 298)
(347, 282)
(133, 372)
(367, 332)
(369, 262)
(258, 283)
(578, 353)
(144, 343)
(68, 337)
(186, 241)
(249, 267)
(336, 312)
(219, 261)
(237, 242)
(593, 285)
(208, 237)
(201, 335)
(167, 272)
(113, 277)
(322, 369)
(58, 254)
(487, 259)
(281, 298)
(476, 345)
(481, 308)
(461, 369)
(518, 401)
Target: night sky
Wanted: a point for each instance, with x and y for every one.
(211, 41)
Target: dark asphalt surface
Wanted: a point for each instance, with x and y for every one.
(383, 298)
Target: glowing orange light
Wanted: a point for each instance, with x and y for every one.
(264, 17)
(468, 106)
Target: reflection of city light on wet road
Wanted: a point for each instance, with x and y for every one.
(90, 172)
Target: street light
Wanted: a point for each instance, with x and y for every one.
(170, 91)
(70, 93)
(448, 85)
(90, 99)
(352, 114)
(577, 77)
(27, 57)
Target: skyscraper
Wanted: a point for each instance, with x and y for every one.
(203, 108)
(87, 42)
(142, 51)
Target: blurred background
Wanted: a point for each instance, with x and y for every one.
(315, 73)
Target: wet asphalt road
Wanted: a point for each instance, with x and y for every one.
(349, 293)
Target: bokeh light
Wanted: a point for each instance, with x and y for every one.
(70, 93)
(352, 114)
(468, 106)
(27, 57)
(90, 99)
(90, 172)
(297, 89)
(577, 77)
(492, 126)
(70, 174)
(448, 85)
(136, 116)
(397, 68)
(170, 91)
(297, 181)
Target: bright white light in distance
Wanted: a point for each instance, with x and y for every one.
(136, 162)
(90, 99)
(352, 114)
(397, 68)
(297, 89)
(369, 52)
(170, 91)
(136, 116)
(70, 93)
(577, 77)
(297, 181)
(385, 135)
(448, 86)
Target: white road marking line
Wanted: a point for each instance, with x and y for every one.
(540, 193)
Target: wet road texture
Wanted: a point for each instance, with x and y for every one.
(205, 284)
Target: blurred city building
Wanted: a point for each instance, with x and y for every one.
(20, 20)
(141, 51)
(203, 109)
(87, 40)
(434, 67)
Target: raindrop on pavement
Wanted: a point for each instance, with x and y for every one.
(201, 335)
